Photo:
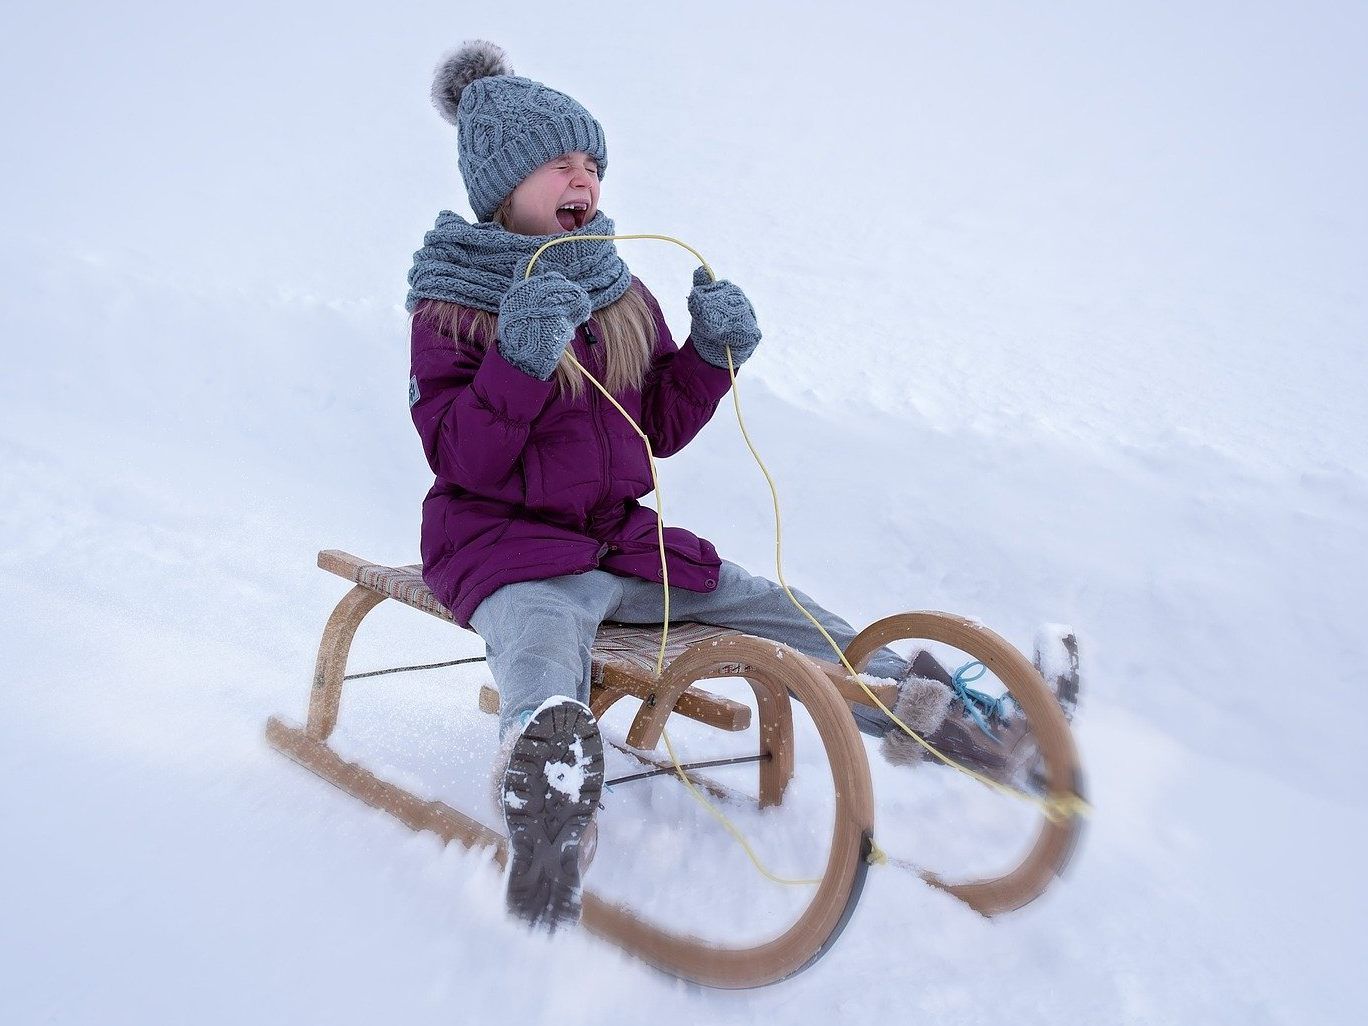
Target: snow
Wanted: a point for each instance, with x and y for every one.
(568, 777)
(1064, 313)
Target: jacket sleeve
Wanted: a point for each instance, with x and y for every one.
(681, 391)
(472, 408)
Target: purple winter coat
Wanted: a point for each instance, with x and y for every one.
(529, 486)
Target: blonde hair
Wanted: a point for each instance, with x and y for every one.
(627, 330)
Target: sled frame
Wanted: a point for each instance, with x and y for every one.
(624, 663)
(699, 652)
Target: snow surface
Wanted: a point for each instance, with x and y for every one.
(1064, 313)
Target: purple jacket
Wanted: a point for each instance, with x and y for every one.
(531, 487)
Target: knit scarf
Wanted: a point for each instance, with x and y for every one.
(475, 264)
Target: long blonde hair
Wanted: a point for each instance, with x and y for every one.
(627, 328)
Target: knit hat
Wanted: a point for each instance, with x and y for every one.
(507, 126)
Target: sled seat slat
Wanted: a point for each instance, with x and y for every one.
(624, 655)
(404, 583)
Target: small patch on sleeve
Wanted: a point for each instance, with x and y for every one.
(413, 391)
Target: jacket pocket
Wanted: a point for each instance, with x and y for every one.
(680, 544)
(561, 482)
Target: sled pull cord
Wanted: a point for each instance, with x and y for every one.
(650, 452)
(1055, 807)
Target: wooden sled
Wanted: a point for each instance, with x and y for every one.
(624, 659)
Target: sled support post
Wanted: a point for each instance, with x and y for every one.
(331, 667)
(776, 721)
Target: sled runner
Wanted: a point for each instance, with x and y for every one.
(624, 659)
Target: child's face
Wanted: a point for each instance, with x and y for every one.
(534, 207)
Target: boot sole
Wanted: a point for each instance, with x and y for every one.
(551, 791)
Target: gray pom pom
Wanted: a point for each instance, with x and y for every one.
(475, 58)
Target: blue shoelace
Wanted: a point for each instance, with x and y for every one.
(982, 708)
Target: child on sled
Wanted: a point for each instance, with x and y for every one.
(532, 534)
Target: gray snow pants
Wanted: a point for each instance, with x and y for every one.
(538, 634)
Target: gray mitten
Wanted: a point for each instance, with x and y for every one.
(537, 319)
(722, 316)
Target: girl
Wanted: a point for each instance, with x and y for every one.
(532, 534)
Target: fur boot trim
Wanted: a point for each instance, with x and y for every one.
(499, 767)
(922, 704)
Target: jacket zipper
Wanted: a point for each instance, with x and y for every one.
(602, 436)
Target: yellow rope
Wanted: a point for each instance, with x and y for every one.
(1055, 807)
(650, 452)
(605, 238)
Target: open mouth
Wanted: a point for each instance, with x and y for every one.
(572, 215)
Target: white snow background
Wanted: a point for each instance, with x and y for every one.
(1064, 315)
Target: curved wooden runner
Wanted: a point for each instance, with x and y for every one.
(770, 673)
(1056, 841)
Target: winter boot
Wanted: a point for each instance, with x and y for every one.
(1009, 754)
(954, 732)
(549, 793)
(588, 843)
(1056, 659)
